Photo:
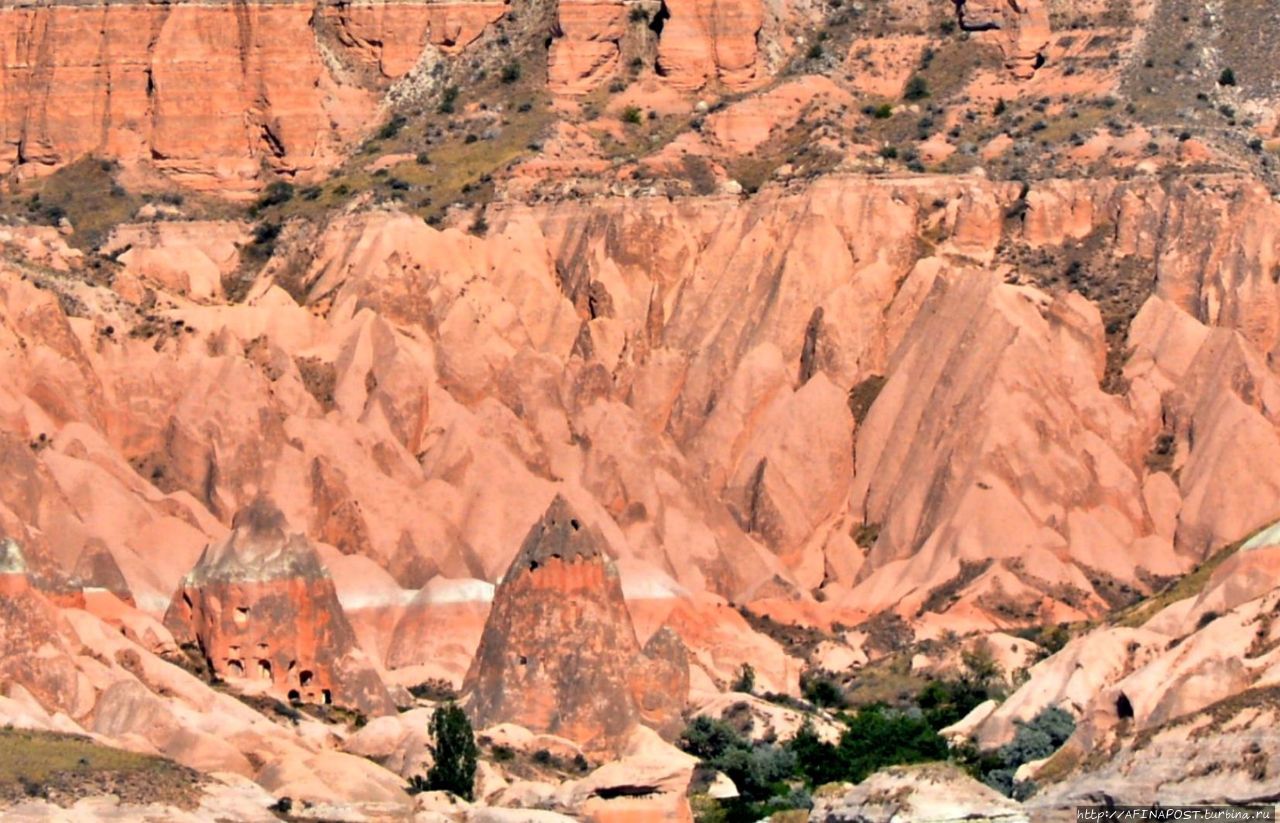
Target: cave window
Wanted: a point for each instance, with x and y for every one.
(294, 696)
(575, 525)
(264, 669)
(326, 697)
(305, 677)
(241, 616)
(235, 668)
(1124, 708)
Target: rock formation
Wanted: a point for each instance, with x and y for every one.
(209, 93)
(34, 653)
(704, 40)
(845, 328)
(588, 49)
(928, 792)
(1020, 27)
(559, 653)
(1183, 696)
(261, 608)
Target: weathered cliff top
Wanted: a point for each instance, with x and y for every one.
(560, 535)
(258, 549)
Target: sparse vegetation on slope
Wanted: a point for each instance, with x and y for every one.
(64, 768)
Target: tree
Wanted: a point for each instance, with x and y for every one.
(746, 681)
(816, 759)
(820, 690)
(981, 669)
(1227, 78)
(877, 737)
(455, 767)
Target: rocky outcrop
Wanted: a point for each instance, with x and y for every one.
(931, 792)
(389, 38)
(705, 41)
(262, 610)
(1019, 27)
(559, 653)
(1185, 702)
(588, 47)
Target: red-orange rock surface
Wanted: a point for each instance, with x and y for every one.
(208, 93)
(34, 654)
(261, 607)
(705, 40)
(559, 653)
(1020, 27)
(588, 49)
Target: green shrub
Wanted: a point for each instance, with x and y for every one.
(448, 100)
(632, 115)
(759, 772)
(821, 690)
(510, 73)
(815, 52)
(392, 127)
(1227, 78)
(1035, 740)
(277, 193)
(877, 737)
(888, 153)
(746, 681)
(883, 111)
(706, 738)
(946, 701)
(917, 88)
(816, 760)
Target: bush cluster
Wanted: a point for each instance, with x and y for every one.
(771, 776)
(1033, 741)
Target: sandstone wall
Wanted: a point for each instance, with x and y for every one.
(211, 93)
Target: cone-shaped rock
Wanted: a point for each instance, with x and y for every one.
(261, 606)
(559, 653)
(33, 650)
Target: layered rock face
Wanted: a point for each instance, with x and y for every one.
(261, 607)
(705, 40)
(209, 93)
(588, 48)
(559, 653)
